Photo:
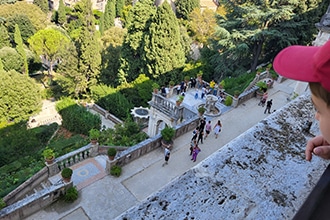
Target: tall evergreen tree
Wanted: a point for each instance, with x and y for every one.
(132, 62)
(163, 49)
(20, 48)
(43, 5)
(254, 31)
(61, 15)
(119, 7)
(88, 48)
(185, 7)
(109, 15)
(4, 36)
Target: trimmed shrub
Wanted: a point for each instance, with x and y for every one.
(115, 170)
(71, 194)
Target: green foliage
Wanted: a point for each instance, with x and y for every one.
(201, 110)
(115, 170)
(239, 83)
(185, 7)
(132, 62)
(117, 104)
(48, 153)
(228, 100)
(20, 48)
(49, 43)
(112, 152)
(254, 32)
(112, 41)
(163, 52)
(155, 86)
(262, 85)
(19, 96)
(71, 194)
(109, 14)
(36, 17)
(76, 118)
(202, 25)
(126, 134)
(61, 14)
(88, 47)
(4, 37)
(119, 7)
(94, 134)
(66, 172)
(11, 60)
(168, 133)
(42, 4)
(2, 204)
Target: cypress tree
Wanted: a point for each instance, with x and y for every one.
(109, 15)
(163, 49)
(132, 61)
(20, 48)
(119, 8)
(88, 48)
(61, 15)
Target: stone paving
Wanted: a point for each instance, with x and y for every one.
(105, 197)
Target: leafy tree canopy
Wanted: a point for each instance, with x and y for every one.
(11, 60)
(33, 12)
(19, 96)
(185, 7)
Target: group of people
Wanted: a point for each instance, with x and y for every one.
(198, 136)
(263, 102)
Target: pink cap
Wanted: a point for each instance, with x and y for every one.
(305, 63)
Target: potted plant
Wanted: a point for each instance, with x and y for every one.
(171, 83)
(236, 93)
(115, 170)
(179, 100)
(201, 110)
(94, 134)
(262, 88)
(66, 174)
(49, 155)
(167, 136)
(155, 87)
(112, 153)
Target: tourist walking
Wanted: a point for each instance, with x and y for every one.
(196, 150)
(167, 153)
(263, 99)
(208, 129)
(202, 124)
(268, 106)
(217, 128)
(200, 136)
(195, 133)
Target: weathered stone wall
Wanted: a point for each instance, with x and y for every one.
(21, 191)
(262, 174)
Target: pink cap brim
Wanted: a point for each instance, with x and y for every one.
(297, 62)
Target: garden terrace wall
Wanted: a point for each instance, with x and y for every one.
(144, 147)
(34, 202)
(26, 187)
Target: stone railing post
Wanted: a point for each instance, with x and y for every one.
(52, 169)
(94, 151)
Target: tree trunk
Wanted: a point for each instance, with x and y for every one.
(256, 54)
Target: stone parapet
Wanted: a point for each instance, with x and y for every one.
(262, 174)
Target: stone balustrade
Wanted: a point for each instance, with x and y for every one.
(72, 158)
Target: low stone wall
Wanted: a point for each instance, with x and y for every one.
(33, 203)
(144, 147)
(261, 174)
(26, 187)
